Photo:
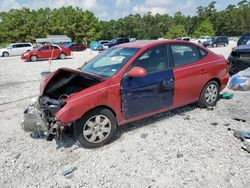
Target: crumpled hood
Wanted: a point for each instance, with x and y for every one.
(65, 81)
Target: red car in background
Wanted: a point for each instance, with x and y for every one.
(77, 47)
(46, 52)
(125, 83)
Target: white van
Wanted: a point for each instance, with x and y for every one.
(15, 49)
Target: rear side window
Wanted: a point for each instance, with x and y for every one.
(184, 54)
(55, 47)
(26, 45)
(202, 52)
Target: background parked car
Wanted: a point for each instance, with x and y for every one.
(77, 47)
(184, 38)
(216, 41)
(244, 39)
(46, 52)
(116, 41)
(239, 59)
(203, 39)
(16, 49)
(97, 45)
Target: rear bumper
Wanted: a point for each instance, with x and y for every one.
(224, 82)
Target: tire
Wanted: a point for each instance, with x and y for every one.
(33, 58)
(96, 128)
(62, 56)
(5, 54)
(209, 95)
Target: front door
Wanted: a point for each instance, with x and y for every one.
(45, 52)
(154, 91)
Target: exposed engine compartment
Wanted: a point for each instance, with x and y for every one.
(67, 82)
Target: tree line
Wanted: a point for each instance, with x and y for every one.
(19, 25)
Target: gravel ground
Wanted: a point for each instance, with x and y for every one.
(185, 147)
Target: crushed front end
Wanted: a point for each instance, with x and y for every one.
(55, 88)
(40, 116)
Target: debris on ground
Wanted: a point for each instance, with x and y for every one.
(239, 119)
(144, 135)
(214, 123)
(226, 96)
(240, 81)
(242, 135)
(246, 147)
(68, 171)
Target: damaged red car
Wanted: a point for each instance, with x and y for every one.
(125, 83)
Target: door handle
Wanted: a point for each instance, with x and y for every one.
(203, 71)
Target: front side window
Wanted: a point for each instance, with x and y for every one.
(109, 62)
(44, 48)
(184, 54)
(154, 60)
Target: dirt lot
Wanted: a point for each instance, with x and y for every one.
(186, 147)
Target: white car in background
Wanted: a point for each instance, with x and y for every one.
(203, 39)
(15, 49)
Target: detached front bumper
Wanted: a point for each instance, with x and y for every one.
(39, 116)
(34, 119)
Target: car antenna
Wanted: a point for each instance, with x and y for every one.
(50, 59)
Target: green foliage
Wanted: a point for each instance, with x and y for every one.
(25, 25)
(176, 31)
(204, 28)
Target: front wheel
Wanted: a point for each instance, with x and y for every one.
(209, 95)
(33, 58)
(96, 128)
(62, 56)
(5, 54)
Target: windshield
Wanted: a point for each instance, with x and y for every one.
(113, 41)
(109, 62)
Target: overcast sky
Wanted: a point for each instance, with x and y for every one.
(114, 9)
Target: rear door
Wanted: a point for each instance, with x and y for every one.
(19, 49)
(154, 91)
(55, 51)
(190, 73)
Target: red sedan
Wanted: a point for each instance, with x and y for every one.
(46, 52)
(77, 47)
(125, 83)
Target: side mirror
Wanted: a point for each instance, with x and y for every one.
(137, 72)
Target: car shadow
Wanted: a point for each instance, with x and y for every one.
(67, 139)
(181, 111)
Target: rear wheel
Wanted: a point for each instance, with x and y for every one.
(96, 128)
(62, 56)
(33, 58)
(5, 54)
(209, 95)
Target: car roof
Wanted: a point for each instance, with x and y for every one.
(21, 43)
(149, 43)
